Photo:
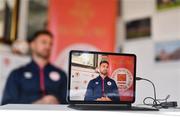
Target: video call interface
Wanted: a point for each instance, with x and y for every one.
(101, 77)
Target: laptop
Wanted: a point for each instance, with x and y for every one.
(102, 81)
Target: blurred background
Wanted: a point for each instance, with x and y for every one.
(148, 28)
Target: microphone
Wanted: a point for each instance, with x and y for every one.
(156, 102)
(155, 99)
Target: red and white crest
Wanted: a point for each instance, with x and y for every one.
(54, 76)
(123, 77)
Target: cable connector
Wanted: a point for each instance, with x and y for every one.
(168, 104)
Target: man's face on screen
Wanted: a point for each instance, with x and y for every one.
(104, 68)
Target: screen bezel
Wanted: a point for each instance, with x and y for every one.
(99, 102)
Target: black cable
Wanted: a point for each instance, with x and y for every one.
(156, 102)
(154, 99)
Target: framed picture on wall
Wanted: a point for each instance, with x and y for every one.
(138, 28)
(37, 16)
(167, 4)
(2, 17)
(84, 60)
(167, 51)
(9, 11)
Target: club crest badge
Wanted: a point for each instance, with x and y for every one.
(28, 75)
(109, 83)
(54, 76)
(124, 78)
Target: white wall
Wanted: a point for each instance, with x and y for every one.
(166, 77)
(132, 9)
(165, 26)
(23, 19)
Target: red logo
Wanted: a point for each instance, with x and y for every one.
(123, 77)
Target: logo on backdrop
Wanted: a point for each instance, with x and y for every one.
(123, 77)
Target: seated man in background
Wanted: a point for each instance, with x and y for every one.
(102, 88)
(38, 82)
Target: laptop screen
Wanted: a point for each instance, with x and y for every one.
(96, 77)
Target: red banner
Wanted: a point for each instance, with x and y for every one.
(122, 70)
(82, 25)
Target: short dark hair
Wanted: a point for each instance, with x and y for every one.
(38, 33)
(104, 62)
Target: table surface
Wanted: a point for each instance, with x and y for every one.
(60, 108)
(34, 107)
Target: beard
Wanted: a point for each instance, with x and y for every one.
(44, 55)
(104, 72)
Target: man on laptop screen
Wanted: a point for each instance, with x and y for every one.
(99, 77)
(102, 88)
